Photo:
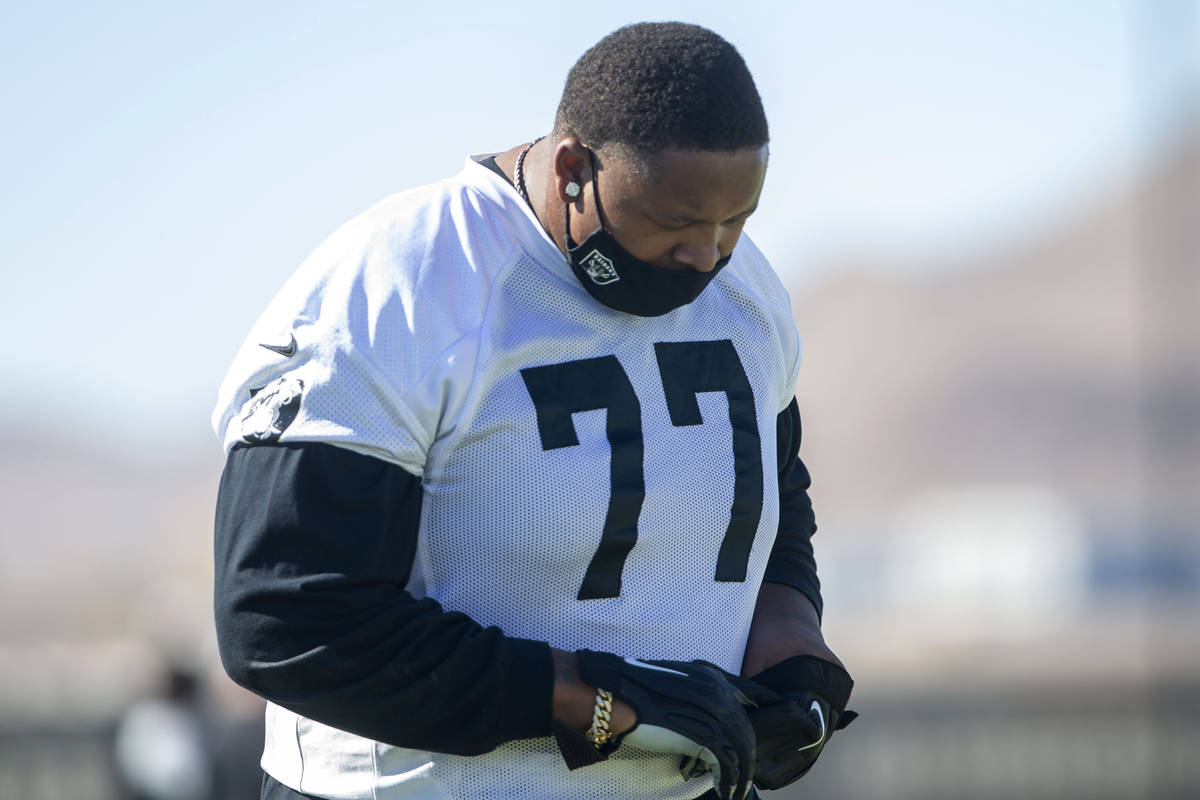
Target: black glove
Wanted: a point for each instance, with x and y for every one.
(686, 708)
(809, 704)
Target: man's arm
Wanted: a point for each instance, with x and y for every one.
(787, 618)
(314, 545)
(800, 686)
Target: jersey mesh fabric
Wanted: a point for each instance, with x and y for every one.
(509, 527)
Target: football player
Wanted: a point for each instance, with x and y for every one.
(512, 499)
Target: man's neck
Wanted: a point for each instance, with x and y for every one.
(536, 171)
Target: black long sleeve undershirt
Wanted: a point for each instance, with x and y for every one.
(313, 547)
(792, 562)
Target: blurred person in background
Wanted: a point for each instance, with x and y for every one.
(162, 748)
(445, 576)
(199, 738)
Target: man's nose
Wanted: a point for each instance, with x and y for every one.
(701, 253)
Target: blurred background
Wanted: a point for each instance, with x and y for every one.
(988, 216)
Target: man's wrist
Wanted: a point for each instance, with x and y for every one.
(575, 701)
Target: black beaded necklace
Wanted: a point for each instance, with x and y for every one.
(519, 170)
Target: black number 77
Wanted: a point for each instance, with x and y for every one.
(686, 368)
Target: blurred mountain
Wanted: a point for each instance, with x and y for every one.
(96, 545)
(1070, 361)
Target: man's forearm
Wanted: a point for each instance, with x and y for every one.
(785, 624)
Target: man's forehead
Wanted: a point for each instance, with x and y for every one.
(704, 182)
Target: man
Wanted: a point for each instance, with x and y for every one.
(512, 493)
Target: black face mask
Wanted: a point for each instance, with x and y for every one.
(620, 281)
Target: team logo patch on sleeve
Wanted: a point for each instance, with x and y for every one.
(271, 409)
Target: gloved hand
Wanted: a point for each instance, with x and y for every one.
(682, 707)
(801, 702)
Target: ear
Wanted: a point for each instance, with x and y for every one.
(572, 164)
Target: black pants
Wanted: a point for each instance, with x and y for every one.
(274, 790)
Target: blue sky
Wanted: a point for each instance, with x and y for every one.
(166, 166)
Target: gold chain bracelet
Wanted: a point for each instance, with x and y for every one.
(599, 733)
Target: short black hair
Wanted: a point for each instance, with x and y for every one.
(654, 86)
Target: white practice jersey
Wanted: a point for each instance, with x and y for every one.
(588, 474)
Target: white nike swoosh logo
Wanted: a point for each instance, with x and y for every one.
(821, 716)
(634, 662)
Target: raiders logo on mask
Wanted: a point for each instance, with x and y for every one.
(599, 268)
(271, 409)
